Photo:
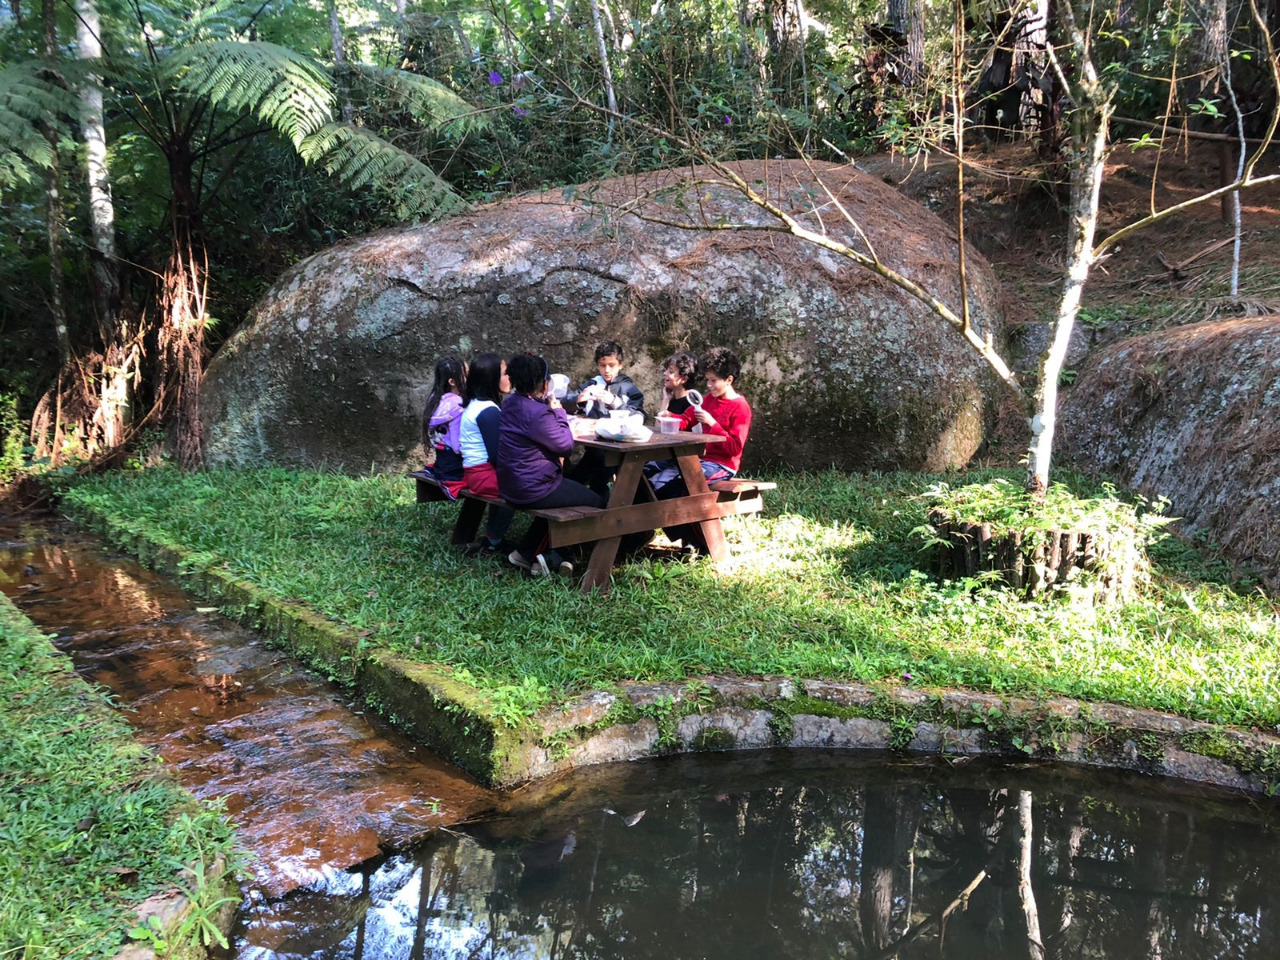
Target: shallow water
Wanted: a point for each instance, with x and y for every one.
(769, 855)
(313, 785)
(815, 856)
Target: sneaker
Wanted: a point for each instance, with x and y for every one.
(516, 559)
(558, 564)
(545, 564)
(482, 548)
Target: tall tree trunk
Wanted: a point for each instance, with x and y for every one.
(1090, 117)
(783, 30)
(119, 358)
(749, 11)
(183, 293)
(1208, 51)
(54, 216)
(339, 59)
(603, 50)
(906, 20)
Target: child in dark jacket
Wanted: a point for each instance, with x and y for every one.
(609, 390)
(533, 438)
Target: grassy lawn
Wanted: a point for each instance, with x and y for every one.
(89, 825)
(826, 587)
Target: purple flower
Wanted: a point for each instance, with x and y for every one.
(728, 120)
(520, 112)
(907, 677)
(495, 77)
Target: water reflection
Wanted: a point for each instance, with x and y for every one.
(312, 786)
(811, 856)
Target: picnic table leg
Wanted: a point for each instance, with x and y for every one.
(467, 525)
(712, 531)
(605, 551)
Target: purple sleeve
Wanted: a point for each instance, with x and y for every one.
(448, 417)
(550, 431)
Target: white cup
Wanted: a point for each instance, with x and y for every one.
(559, 385)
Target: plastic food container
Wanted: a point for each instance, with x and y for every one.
(668, 424)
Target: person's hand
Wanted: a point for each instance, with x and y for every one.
(553, 401)
(704, 417)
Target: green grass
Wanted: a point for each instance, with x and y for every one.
(826, 587)
(90, 826)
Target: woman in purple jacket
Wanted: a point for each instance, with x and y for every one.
(533, 438)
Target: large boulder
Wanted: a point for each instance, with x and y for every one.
(841, 367)
(1193, 414)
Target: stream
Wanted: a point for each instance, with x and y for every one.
(364, 845)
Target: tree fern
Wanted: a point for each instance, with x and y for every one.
(428, 101)
(360, 158)
(28, 98)
(285, 89)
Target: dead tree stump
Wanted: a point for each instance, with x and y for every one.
(1037, 561)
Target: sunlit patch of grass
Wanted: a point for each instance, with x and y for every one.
(825, 585)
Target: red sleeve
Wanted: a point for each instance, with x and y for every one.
(733, 421)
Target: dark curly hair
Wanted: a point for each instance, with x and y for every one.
(609, 348)
(685, 364)
(528, 372)
(722, 362)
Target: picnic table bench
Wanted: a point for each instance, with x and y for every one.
(632, 507)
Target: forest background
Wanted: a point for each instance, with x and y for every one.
(161, 165)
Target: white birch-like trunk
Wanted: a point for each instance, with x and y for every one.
(118, 359)
(1090, 117)
(603, 49)
(1234, 196)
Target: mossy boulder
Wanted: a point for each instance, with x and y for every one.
(1193, 414)
(841, 367)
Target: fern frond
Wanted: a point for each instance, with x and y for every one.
(220, 18)
(28, 98)
(429, 101)
(286, 90)
(360, 158)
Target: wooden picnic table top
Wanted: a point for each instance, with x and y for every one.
(659, 441)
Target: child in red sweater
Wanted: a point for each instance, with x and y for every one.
(724, 412)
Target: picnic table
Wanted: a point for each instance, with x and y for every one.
(632, 506)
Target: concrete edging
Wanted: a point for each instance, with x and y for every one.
(638, 720)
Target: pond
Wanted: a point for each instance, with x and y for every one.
(809, 855)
